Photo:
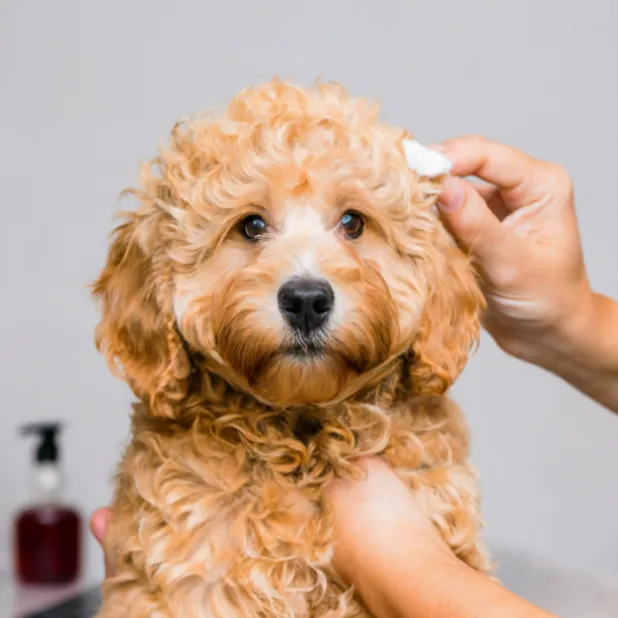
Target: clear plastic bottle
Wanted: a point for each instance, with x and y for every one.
(47, 533)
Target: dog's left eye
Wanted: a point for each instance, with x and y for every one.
(253, 227)
(352, 224)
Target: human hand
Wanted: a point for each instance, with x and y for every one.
(370, 516)
(386, 547)
(521, 230)
(99, 523)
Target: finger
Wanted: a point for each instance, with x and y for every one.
(99, 523)
(493, 198)
(509, 169)
(484, 189)
(469, 219)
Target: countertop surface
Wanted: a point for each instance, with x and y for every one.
(84, 605)
(18, 600)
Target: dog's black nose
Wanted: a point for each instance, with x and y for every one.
(306, 303)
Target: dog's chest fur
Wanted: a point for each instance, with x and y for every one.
(231, 520)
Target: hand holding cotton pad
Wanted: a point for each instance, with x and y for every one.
(423, 161)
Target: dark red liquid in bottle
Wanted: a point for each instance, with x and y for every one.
(48, 541)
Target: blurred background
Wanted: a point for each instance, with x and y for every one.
(88, 90)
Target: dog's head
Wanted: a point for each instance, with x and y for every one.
(286, 247)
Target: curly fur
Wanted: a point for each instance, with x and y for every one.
(218, 507)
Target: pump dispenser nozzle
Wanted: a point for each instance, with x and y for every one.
(47, 450)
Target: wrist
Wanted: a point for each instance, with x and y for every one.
(583, 349)
(571, 334)
(442, 587)
(409, 580)
(566, 335)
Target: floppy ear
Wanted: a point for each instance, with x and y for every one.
(137, 332)
(450, 325)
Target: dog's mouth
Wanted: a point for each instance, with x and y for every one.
(306, 348)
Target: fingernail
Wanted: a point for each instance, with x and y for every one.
(452, 195)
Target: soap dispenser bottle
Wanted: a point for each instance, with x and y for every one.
(47, 532)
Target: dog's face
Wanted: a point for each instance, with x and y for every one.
(286, 247)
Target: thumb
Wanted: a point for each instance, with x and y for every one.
(469, 219)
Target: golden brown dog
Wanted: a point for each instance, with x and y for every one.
(284, 300)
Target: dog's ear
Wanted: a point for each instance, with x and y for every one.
(450, 324)
(137, 332)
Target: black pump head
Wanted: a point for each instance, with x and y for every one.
(47, 450)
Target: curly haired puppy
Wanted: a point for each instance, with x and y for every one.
(283, 301)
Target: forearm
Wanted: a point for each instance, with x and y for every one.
(585, 351)
(442, 588)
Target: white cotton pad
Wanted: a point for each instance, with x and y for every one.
(423, 161)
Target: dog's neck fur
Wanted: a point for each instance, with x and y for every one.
(289, 437)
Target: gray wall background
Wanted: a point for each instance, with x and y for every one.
(88, 89)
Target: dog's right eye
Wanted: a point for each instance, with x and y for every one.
(253, 227)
